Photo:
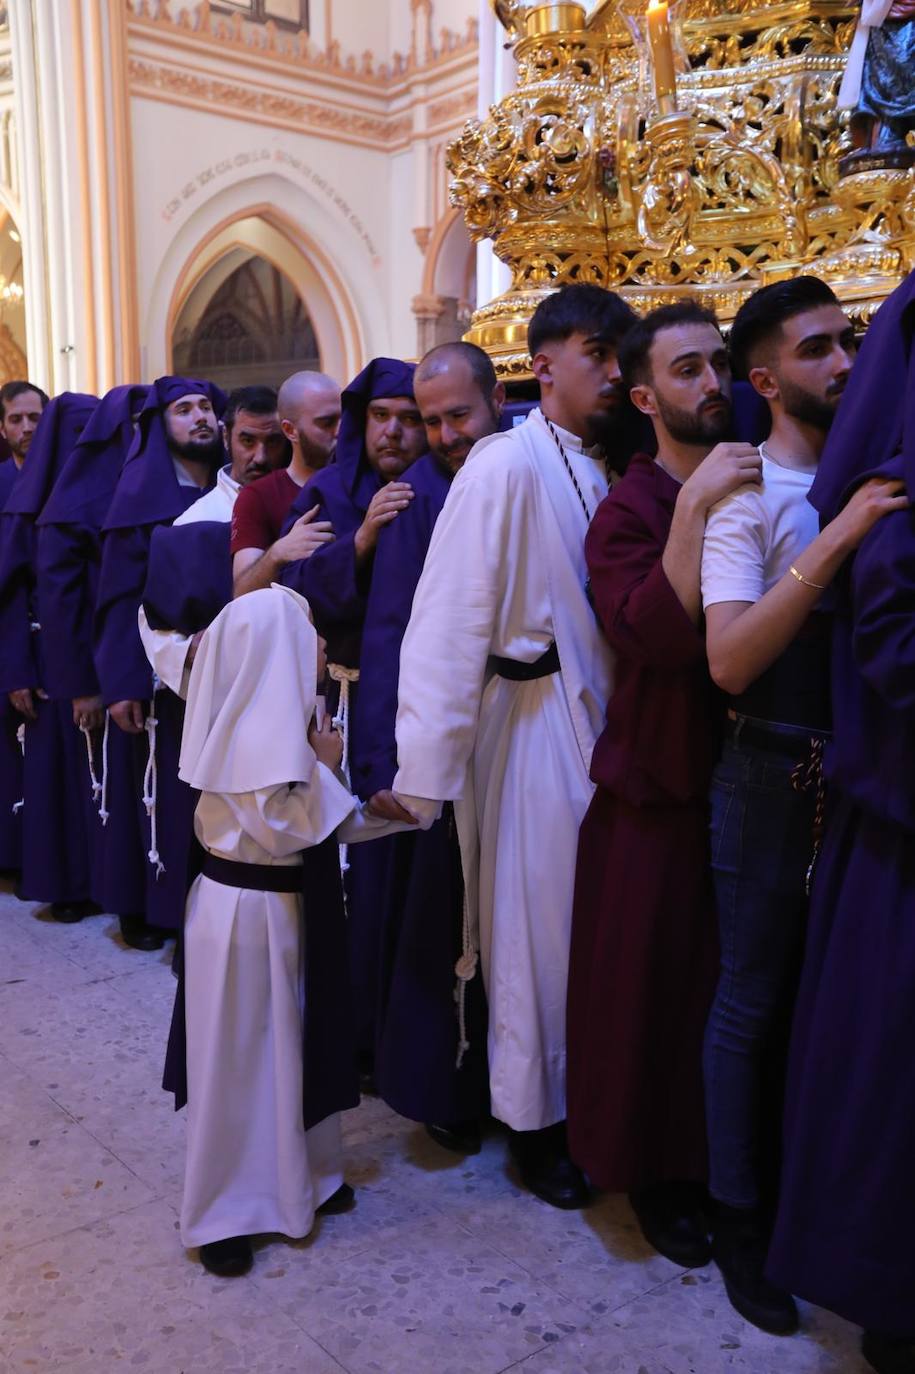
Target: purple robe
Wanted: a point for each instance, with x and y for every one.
(334, 587)
(188, 581)
(60, 829)
(68, 559)
(10, 755)
(419, 934)
(337, 592)
(847, 1209)
(147, 495)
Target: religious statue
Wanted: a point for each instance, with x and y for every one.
(879, 85)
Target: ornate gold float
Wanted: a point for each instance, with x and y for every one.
(578, 177)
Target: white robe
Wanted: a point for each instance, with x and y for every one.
(505, 575)
(251, 1165)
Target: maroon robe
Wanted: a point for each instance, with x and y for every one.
(644, 957)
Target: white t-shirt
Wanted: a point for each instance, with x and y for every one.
(754, 535)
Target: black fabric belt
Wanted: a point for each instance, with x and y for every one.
(252, 877)
(771, 739)
(516, 671)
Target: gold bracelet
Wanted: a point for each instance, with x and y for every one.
(817, 586)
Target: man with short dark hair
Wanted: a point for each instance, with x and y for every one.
(765, 566)
(21, 404)
(503, 678)
(426, 1067)
(643, 956)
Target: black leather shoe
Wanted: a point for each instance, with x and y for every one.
(547, 1169)
(672, 1221)
(888, 1354)
(343, 1200)
(68, 913)
(740, 1244)
(228, 1259)
(138, 935)
(463, 1137)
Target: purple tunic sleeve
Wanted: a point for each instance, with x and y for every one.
(121, 663)
(883, 597)
(399, 559)
(18, 667)
(67, 566)
(329, 579)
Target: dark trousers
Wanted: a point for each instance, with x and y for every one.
(762, 845)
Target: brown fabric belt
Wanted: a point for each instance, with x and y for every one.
(252, 877)
(516, 671)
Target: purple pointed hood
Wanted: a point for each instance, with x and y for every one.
(382, 377)
(83, 492)
(147, 491)
(57, 433)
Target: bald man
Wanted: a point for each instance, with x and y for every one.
(309, 409)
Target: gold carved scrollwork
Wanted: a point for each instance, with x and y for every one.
(574, 180)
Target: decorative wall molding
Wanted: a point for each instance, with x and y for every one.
(236, 36)
(271, 76)
(178, 85)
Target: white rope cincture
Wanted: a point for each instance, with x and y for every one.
(20, 740)
(103, 812)
(151, 786)
(345, 677)
(96, 785)
(465, 969)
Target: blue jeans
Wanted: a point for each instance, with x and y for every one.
(762, 844)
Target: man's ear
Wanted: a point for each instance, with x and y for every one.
(498, 396)
(289, 430)
(643, 398)
(542, 367)
(764, 381)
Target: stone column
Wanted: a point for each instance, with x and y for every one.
(498, 76)
(70, 72)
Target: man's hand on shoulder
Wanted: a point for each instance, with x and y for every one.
(727, 467)
(306, 535)
(385, 506)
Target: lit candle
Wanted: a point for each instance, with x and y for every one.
(662, 54)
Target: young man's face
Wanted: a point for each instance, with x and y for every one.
(190, 423)
(690, 388)
(810, 366)
(456, 413)
(256, 445)
(583, 375)
(394, 435)
(20, 420)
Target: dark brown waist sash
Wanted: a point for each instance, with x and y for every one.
(252, 877)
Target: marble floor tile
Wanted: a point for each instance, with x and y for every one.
(691, 1327)
(26, 1110)
(122, 1294)
(57, 1179)
(427, 1298)
(596, 1257)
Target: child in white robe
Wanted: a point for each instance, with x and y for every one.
(270, 788)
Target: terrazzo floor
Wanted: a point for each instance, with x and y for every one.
(445, 1267)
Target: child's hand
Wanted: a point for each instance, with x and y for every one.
(326, 743)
